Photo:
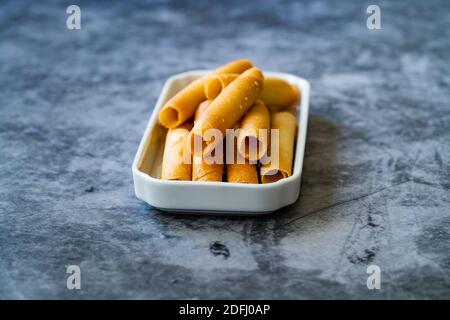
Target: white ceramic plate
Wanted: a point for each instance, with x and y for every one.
(213, 197)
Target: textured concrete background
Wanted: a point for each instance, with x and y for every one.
(376, 180)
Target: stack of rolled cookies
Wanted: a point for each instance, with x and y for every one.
(221, 127)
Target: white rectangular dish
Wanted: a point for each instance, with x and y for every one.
(213, 197)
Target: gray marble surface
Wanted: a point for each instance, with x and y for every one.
(376, 178)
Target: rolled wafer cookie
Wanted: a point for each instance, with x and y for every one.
(242, 173)
(182, 106)
(216, 83)
(273, 171)
(176, 163)
(277, 94)
(201, 170)
(253, 135)
(226, 110)
(239, 169)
